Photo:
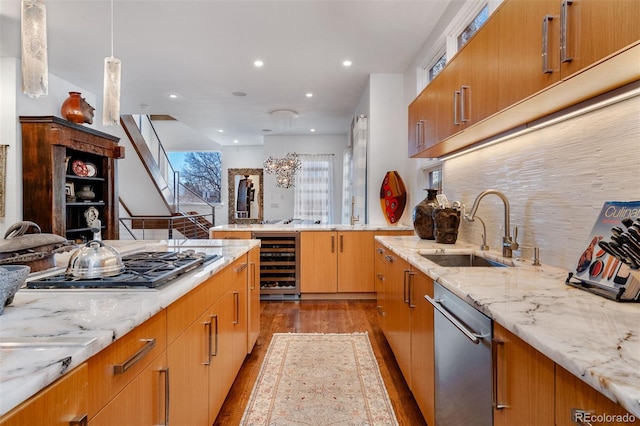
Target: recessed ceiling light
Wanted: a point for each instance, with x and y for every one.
(312, 130)
(346, 63)
(309, 95)
(173, 96)
(258, 63)
(220, 130)
(235, 141)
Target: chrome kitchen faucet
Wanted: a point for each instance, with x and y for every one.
(508, 244)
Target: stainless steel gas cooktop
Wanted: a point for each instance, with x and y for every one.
(144, 269)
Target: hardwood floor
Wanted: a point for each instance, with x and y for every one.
(327, 316)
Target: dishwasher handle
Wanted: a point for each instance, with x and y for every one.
(474, 337)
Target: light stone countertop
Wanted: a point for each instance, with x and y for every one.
(282, 227)
(58, 330)
(596, 339)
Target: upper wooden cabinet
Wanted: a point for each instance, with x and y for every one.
(52, 185)
(531, 58)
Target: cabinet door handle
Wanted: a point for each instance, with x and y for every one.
(388, 258)
(496, 378)
(81, 420)
(564, 14)
(463, 102)
(165, 371)
(456, 94)
(333, 244)
(421, 134)
(412, 277)
(207, 358)
(253, 276)
(214, 325)
(405, 286)
(380, 276)
(418, 134)
(545, 44)
(242, 267)
(380, 250)
(341, 243)
(236, 307)
(148, 345)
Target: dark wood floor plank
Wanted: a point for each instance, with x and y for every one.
(333, 316)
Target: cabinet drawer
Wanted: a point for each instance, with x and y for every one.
(63, 401)
(117, 365)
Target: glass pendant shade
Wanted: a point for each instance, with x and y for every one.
(111, 94)
(35, 68)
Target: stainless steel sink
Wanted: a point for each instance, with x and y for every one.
(462, 260)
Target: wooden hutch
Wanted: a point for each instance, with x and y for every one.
(61, 159)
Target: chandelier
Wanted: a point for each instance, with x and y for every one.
(284, 169)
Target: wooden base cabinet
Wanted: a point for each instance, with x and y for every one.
(253, 296)
(63, 402)
(578, 403)
(523, 382)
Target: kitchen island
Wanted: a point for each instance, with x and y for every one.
(595, 339)
(46, 333)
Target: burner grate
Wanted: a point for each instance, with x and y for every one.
(144, 269)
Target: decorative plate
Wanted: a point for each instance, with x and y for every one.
(393, 197)
(79, 168)
(91, 169)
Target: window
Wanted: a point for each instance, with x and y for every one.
(200, 175)
(473, 27)
(437, 67)
(313, 191)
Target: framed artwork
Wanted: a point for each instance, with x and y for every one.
(70, 191)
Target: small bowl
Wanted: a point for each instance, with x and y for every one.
(12, 277)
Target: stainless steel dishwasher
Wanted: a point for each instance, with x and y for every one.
(462, 362)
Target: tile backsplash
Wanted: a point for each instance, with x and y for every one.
(556, 178)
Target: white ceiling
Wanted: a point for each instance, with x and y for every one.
(204, 50)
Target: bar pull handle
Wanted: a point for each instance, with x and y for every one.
(380, 250)
(474, 337)
(341, 243)
(405, 286)
(236, 307)
(165, 371)
(148, 345)
(564, 13)
(207, 358)
(242, 267)
(412, 276)
(545, 44)
(388, 258)
(463, 102)
(253, 276)
(456, 94)
(333, 244)
(418, 133)
(81, 420)
(496, 377)
(214, 325)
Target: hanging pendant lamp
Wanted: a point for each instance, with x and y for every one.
(111, 92)
(35, 67)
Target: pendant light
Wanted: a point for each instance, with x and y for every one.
(111, 93)
(35, 68)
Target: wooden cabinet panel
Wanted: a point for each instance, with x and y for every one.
(597, 28)
(50, 146)
(230, 235)
(239, 307)
(143, 402)
(578, 403)
(524, 380)
(422, 347)
(184, 311)
(253, 296)
(520, 64)
(57, 405)
(318, 262)
(115, 367)
(355, 262)
(221, 371)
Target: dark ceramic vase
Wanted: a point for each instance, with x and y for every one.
(423, 216)
(71, 108)
(446, 222)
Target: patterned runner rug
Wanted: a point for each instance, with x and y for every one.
(319, 380)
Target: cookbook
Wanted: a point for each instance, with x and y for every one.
(609, 261)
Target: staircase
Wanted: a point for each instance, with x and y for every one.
(190, 225)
